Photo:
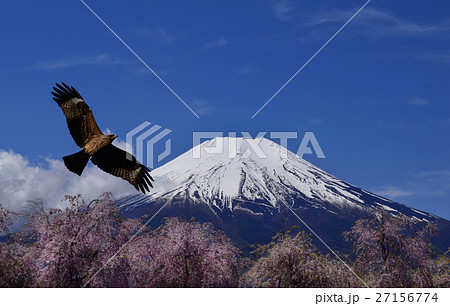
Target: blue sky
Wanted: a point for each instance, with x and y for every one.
(377, 97)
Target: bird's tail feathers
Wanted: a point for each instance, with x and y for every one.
(76, 162)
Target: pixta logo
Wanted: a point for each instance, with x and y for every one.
(309, 139)
(144, 138)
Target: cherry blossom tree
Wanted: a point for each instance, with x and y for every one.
(72, 245)
(15, 269)
(293, 261)
(90, 244)
(440, 267)
(392, 251)
(5, 219)
(185, 254)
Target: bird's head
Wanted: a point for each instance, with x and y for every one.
(113, 136)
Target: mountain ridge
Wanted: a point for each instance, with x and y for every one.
(256, 181)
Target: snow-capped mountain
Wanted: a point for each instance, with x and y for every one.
(240, 183)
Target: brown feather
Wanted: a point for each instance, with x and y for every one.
(80, 119)
(119, 163)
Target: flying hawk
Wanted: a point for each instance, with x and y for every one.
(96, 145)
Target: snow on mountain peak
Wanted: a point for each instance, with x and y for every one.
(224, 169)
(244, 185)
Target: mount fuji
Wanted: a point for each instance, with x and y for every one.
(253, 188)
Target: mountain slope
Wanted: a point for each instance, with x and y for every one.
(249, 187)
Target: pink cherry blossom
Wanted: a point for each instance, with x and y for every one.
(392, 251)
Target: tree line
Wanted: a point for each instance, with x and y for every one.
(92, 245)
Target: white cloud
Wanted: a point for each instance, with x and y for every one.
(202, 107)
(101, 59)
(248, 69)
(419, 101)
(283, 9)
(434, 182)
(377, 23)
(158, 34)
(20, 181)
(439, 58)
(441, 175)
(394, 192)
(424, 184)
(220, 42)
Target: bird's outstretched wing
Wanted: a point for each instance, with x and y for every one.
(79, 117)
(118, 162)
